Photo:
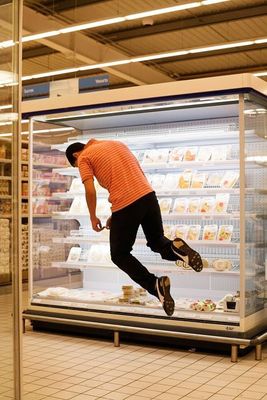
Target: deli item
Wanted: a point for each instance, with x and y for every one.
(225, 233)
(176, 155)
(193, 232)
(207, 205)
(165, 205)
(214, 179)
(74, 254)
(204, 153)
(198, 180)
(180, 231)
(180, 206)
(221, 153)
(205, 263)
(185, 179)
(222, 264)
(229, 179)
(221, 202)
(155, 156)
(193, 205)
(171, 182)
(203, 305)
(210, 232)
(190, 154)
(157, 181)
(168, 231)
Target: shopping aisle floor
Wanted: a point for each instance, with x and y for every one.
(66, 367)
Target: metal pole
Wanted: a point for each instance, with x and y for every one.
(16, 200)
(234, 352)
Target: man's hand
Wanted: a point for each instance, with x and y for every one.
(108, 223)
(96, 224)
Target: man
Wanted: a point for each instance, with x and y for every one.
(133, 203)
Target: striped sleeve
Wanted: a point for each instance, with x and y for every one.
(85, 169)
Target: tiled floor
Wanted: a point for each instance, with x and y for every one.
(79, 368)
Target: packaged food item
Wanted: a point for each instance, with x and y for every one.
(165, 205)
(203, 305)
(157, 181)
(168, 231)
(155, 156)
(229, 179)
(171, 182)
(225, 233)
(214, 179)
(198, 180)
(185, 179)
(204, 153)
(221, 202)
(222, 264)
(193, 232)
(176, 155)
(190, 154)
(205, 262)
(180, 231)
(207, 205)
(193, 205)
(210, 232)
(180, 206)
(221, 153)
(74, 254)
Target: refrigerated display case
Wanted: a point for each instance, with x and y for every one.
(203, 146)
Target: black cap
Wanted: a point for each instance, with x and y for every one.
(71, 149)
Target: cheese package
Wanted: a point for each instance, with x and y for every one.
(180, 231)
(165, 205)
(156, 156)
(221, 202)
(157, 181)
(180, 206)
(214, 179)
(171, 182)
(225, 233)
(198, 180)
(74, 254)
(222, 264)
(221, 153)
(193, 205)
(168, 231)
(207, 205)
(210, 232)
(204, 153)
(229, 179)
(176, 155)
(185, 179)
(193, 232)
(190, 154)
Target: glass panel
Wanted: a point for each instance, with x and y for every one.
(256, 200)
(189, 151)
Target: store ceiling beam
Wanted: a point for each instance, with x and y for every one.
(52, 6)
(241, 13)
(86, 50)
(33, 52)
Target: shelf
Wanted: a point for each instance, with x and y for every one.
(5, 178)
(164, 268)
(5, 160)
(50, 166)
(6, 196)
(8, 216)
(215, 164)
(42, 215)
(47, 181)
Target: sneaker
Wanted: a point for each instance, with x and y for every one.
(188, 255)
(163, 291)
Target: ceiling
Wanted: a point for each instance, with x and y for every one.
(214, 24)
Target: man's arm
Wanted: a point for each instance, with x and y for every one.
(90, 194)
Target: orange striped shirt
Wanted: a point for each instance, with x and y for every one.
(116, 169)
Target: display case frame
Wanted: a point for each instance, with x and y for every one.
(248, 328)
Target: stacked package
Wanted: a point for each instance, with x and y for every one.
(24, 245)
(5, 246)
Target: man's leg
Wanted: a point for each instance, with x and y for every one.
(123, 231)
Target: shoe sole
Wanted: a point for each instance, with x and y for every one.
(194, 259)
(168, 302)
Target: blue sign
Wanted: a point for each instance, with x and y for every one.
(98, 82)
(38, 91)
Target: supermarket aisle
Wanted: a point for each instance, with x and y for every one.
(65, 367)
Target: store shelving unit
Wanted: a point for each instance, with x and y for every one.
(204, 152)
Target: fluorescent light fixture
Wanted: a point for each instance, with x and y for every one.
(264, 40)
(221, 46)
(148, 108)
(67, 129)
(91, 25)
(6, 117)
(37, 36)
(263, 73)
(109, 21)
(6, 107)
(145, 58)
(5, 123)
(162, 11)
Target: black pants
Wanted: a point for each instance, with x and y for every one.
(124, 226)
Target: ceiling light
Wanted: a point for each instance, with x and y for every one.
(109, 21)
(144, 58)
(264, 73)
(5, 123)
(6, 107)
